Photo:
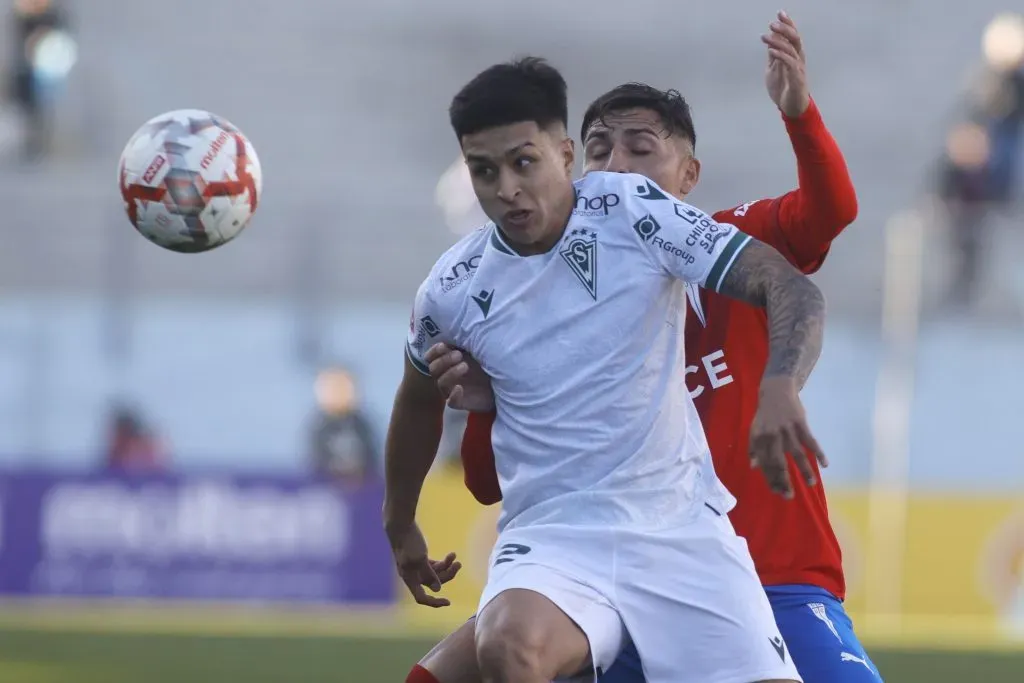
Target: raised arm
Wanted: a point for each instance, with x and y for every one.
(803, 223)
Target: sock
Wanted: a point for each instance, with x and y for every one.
(420, 675)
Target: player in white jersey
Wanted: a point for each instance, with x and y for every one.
(613, 523)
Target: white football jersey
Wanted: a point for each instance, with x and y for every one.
(584, 345)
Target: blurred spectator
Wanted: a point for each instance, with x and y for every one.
(133, 447)
(343, 444)
(43, 54)
(966, 194)
(1000, 104)
(982, 159)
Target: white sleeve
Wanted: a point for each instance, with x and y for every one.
(684, 241)
(424, 330)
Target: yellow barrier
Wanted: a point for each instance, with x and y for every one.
(453, 521)
(961, 575)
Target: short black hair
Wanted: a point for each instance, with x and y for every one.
(524, 89)
(669, 105)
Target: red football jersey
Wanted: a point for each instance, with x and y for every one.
(792, 542)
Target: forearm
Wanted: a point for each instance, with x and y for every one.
(795, 308)
(478, 459)
(826, 201)
(409, 452)
(794, 305)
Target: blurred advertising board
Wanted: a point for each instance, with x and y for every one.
(218, 538)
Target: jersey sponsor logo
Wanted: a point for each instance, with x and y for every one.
(780, 646)
(483, 300)
(849, 657)
(648, 228)
(742, 210)
(426, 329)
(706, 233)
(716, 372)
(594, 206)
(510, 551)
(649, 192)
(461, 272)
(580, 253)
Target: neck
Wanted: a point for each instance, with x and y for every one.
(552, 235)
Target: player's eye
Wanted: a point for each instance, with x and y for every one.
(482, 172)
(597, 153)
(523, 162)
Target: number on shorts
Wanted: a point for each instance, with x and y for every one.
(509, 551)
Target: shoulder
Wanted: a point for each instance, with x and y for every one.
(620, 199)
(456, 265)
(637, 195)
(617, 189)
(756, 218)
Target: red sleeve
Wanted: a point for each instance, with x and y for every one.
(478, 459)
(802, 223)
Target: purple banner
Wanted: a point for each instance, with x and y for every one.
(192, 537)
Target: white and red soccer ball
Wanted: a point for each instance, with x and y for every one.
(190, 180)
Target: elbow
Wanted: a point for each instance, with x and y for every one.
(799, 295)
(847, 208)
(844, 205)
(813, 293)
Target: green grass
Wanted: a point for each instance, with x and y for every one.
(63, 657)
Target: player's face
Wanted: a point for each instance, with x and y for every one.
(522, 176)
(636, 141)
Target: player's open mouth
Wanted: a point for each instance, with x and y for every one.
(518, 218)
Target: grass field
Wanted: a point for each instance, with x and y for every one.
(95, 643)
(65, 657)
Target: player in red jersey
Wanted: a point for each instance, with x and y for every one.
(639, 129)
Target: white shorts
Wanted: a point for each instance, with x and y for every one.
(688, 597)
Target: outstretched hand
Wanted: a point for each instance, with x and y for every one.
(418, 571)
(786, 75)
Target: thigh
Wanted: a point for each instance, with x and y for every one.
(822, 641)
(540, 588)
(694, 606)
(453, 660)
(567, 636)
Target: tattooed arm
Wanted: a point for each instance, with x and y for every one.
(796, 317)
(762, 277)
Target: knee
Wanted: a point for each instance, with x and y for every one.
(509, 652)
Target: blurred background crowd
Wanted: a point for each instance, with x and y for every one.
(189, 401)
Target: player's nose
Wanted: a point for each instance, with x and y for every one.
(508, 187)
(618, 161)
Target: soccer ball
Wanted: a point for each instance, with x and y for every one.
(190, 180)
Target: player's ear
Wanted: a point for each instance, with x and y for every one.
(569, 154)
(691, 174)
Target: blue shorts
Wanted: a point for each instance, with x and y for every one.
(818, 634)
